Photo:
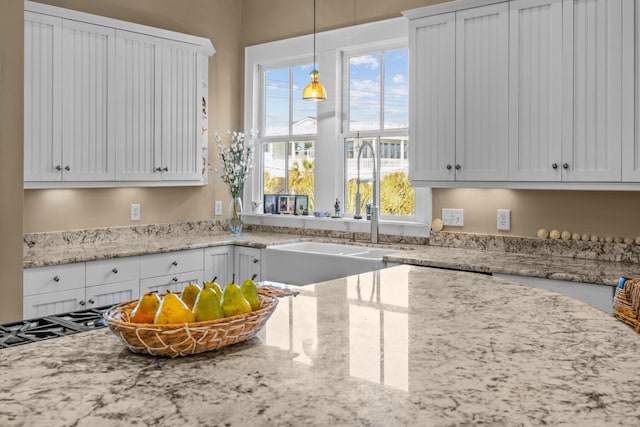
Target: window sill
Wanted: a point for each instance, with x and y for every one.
(398, 228)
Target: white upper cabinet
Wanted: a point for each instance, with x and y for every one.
(631, 91)
(111, 103)
(482, 79)
(88, 53)
(432, 46)
(535, 90)
(42, 101)
(592, 90)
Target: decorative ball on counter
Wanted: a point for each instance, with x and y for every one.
(437, 225)
(555, 234)
(617, 239)
(595, 238)
(575, 236)
(608, 239)
(543, 233)
(628, 240)
(566, 235)
(586, 237)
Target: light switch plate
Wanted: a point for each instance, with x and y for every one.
(504, 219)
(453, 217)
(217, 209)
(135, 212)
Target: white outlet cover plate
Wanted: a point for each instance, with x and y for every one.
(217, 210)
(135, 212)
(504, 219)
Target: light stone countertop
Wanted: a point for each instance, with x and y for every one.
(406, 346)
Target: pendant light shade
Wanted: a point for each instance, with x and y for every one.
(314, 90)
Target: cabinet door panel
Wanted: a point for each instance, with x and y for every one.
(52, 303)
(482, 63)
(535, 94)
(42, 94)
(181, 147)
(113, 293)
(173, 283)
(592, 90)
(246, 264)
(433, 79)
(53, 278)
(88, 100)
(112, 270)
(631, 92)
(218, 262)
(138, 152)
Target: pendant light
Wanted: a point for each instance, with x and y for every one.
(314, 90)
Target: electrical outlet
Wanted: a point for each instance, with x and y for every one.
(135, 212)
(217, 209)
(504, 219)
(453, 217)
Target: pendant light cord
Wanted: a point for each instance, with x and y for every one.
(315, 66)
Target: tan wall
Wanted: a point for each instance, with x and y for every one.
(218, 20)
(11, 131)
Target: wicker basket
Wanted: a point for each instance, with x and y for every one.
(626, 303)
(191, 338)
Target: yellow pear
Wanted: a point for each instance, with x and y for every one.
(233, 303)
(145, 311)
(250, 292)
(173, 310)
(207, 306)
(213, 285)
(189, 294)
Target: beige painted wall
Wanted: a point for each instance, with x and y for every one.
(218, 20)
(11, 135)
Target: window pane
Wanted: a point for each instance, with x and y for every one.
(276, 102)
(396, 89)
(301, 166)
(366, 171)
(273, 161)
(304, 112)
(364, 92)
(396, 193)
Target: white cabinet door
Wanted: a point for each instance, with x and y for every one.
(173, 283)
(112, 270)
(112, 293)
(631, 91)
(482, 83)
(246, 264)
(171, 263)
(138, 87)
(592, 90)
(181, 106)
(88, 58)
(433, 121)
(42, 100)
(54, 278)
(52, 303)
(535, 90)
(218, 262)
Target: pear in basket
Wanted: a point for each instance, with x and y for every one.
(213, 285)
(173, 310)
(189, 294)
(233, 302)
(207, 306)
(145, 311)
(250, 292)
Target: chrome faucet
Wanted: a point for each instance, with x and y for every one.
(374, 206)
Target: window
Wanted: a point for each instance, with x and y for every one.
(376, 93)
(288, 133)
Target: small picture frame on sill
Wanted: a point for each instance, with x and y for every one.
(302, 205)
(286, 204)
(270, 205)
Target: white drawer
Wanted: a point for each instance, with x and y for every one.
(113, 270)
(53, 279)
(173, 283)
(171, 263)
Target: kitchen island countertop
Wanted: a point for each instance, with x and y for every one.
(406, 345)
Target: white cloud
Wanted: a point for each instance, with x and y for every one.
(369, 60)
(398, 78)
(364, 89)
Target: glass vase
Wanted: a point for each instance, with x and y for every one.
(235, 215)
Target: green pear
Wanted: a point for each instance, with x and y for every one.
(207, 306)
(173, 310)
(213, 285)
(189, 294)
(250, 292)
(233, 303)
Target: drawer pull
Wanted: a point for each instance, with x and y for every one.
(554, 165)
(67, 168)
(115, 270)
(58, 168)
(565, 165)
(81, 302)
(158, 169)
(56, 278)
(175, 279)
(166, 169)
(174, 263)
(256, 260)
(458, 167)
(91, 301)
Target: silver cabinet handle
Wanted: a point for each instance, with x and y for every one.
(91, 301)
(115, 270)
(174, 263)
(81, 302)
(554, 165)
(67, 168)
(458, 167)
(58, 168)
(449, 167)
(565, 166)
(56, 278)
(175, 279)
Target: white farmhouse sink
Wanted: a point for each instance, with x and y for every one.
(312, 262)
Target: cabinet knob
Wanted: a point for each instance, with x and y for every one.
(256, 260)
(175, 279)
(81, 302)
(91, 301)
(58, 168)
(158, 169)
(458, 167)
(554, 165)
(56, 278)
(166, 169)
(67, 168)
(174, 263)
(115, 270)
(449, 167)
(565, 166)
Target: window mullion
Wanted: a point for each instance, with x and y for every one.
(382, 73)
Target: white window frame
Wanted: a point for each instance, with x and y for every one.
(329, 141)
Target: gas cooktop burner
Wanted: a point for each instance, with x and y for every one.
(28, 331)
